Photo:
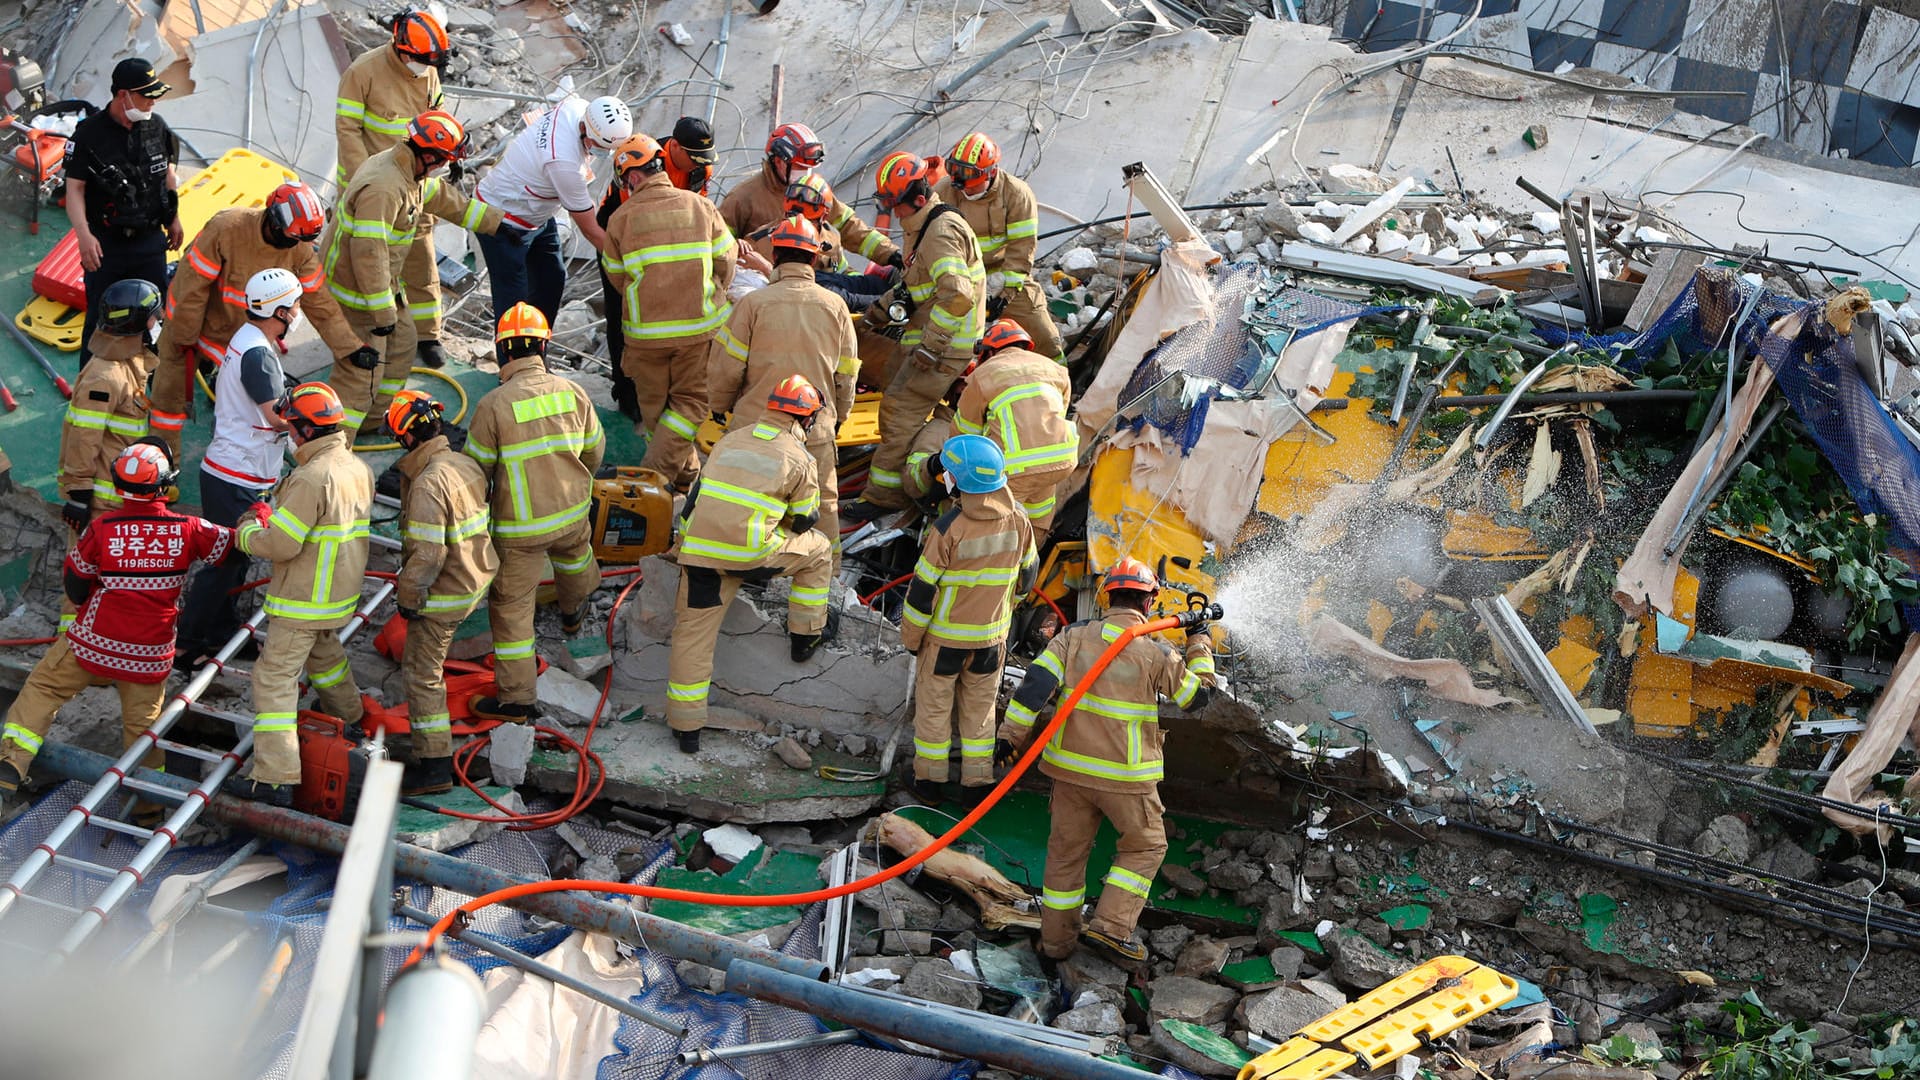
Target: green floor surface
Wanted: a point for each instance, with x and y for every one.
(1013, 840)
(31, 434)
(759, 874)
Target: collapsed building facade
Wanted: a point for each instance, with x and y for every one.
(1544, 433)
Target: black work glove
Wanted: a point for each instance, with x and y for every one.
(431, 354)
(898, 260)
(208, 367)
(383, 331)
(409, 614)
(78, 510)
(995, 306)
(456, 172)
(366, 357)
(1004, 752)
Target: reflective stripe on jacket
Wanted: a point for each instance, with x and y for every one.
(1019, 399)
(539, 438)
(365, 245)
(672, 259)
(317, 536)
(977, 557)
(791, 327)
(207, 299)
(107, 413)
(1005, 221)
(447, 558)
(754, 204)
(755, 480)
(378, 97)
(946, 282)
(1112, 741)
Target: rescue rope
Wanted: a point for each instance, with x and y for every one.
(375, 448)
(1034, 749)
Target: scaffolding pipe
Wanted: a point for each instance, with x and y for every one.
(709, 1055)
(192, 899)
(881, 1015)
(253, 66)
(618, 921)
(550, 973)
(719, 71)
(940, 99)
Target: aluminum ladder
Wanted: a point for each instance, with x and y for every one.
(158, 842)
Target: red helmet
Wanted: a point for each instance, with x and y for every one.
(437, 132)
(143, 470)
(810, 197)
(796, 234)
(796, 144)
(1130, 573)
(419, 36)
(796, 396)
(973, 163)
(294, 212)
(900, 178)
(312, 408)
(1004, 334)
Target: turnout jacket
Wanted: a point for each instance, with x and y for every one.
(791, 327)
(1005, 221)
(378, 97)
(447, 558)
(207, 300)
(1018, 399)
(977, 556)
(538, 438)
(672, 259)
(1112, 740)
(108, 412)
(317, 536)
(373, 224)
(759, 482)
(759, 202)
(945, 281)
(126, 573)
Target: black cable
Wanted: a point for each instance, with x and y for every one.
(1085, 225)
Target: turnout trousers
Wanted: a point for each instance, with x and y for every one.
(57, 679)
(955, 688)
(910, 397)
(670, 384)
(424, 660)
(364, 394)
(1076, 813)
(294, 646)
(511, 599)
(705, 595)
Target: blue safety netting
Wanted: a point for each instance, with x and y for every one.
(298, 915)
(1695, 322)
(1232, 352)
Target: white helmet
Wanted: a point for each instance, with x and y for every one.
(608, 121)
(270, 290)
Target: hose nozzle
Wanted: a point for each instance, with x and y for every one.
(1200, 612)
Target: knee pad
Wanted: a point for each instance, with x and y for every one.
(703, 587)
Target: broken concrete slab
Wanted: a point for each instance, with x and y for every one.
(851, 687)
(565, 697)
(1103, 1018)
(1360, 964)
(730, 779)
(438, 832)
(1178, 997)
(508, 752)
(1203, 957)
(1277, 1014)
(934, 979)
(1170, 1045)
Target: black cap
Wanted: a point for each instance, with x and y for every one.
(693, 134)
(137, 75)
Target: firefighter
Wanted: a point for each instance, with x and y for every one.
(793, 151)
(109, 406)
(810, 197)
(1005, 218)
(791, 327)
(447, 561)
(543, 171)
(125, 574)
(626, 176)
(1018, 398)
(379, 93)
(977, 557)
(539, 440)
(750, 517)
(944, 283)
(690, 155)
(672, 259)
(366, 246)
(207, 300)
(1107, 760)
(317, 540)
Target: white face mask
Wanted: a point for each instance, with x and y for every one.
(971, 197)
(419, 69)
(137, 115)
(294, 321)
(153, 333)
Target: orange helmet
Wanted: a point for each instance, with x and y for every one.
(795, 395)
(1004, 334)
(1130, 573)
(972, 163)
(900, 178)
(143, 470)
(638, 152)
(796, 144)
(417, 35)
(810, 197)
(521, 328)
(293, 212)
(312, 408)
(437, 132)
(410, 409)
(796, 234)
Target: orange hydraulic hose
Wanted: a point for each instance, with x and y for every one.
(1034, 749)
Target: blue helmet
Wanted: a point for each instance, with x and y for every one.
(975, 463)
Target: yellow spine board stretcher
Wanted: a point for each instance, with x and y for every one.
(861, 427)
(238, 178)
(1438, 997)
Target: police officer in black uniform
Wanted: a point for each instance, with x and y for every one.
(120, 189)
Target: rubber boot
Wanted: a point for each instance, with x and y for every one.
(1130, 950)
(428, 776)
(689, 741)
(246, 787)
(492, 708)
(431, 354)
